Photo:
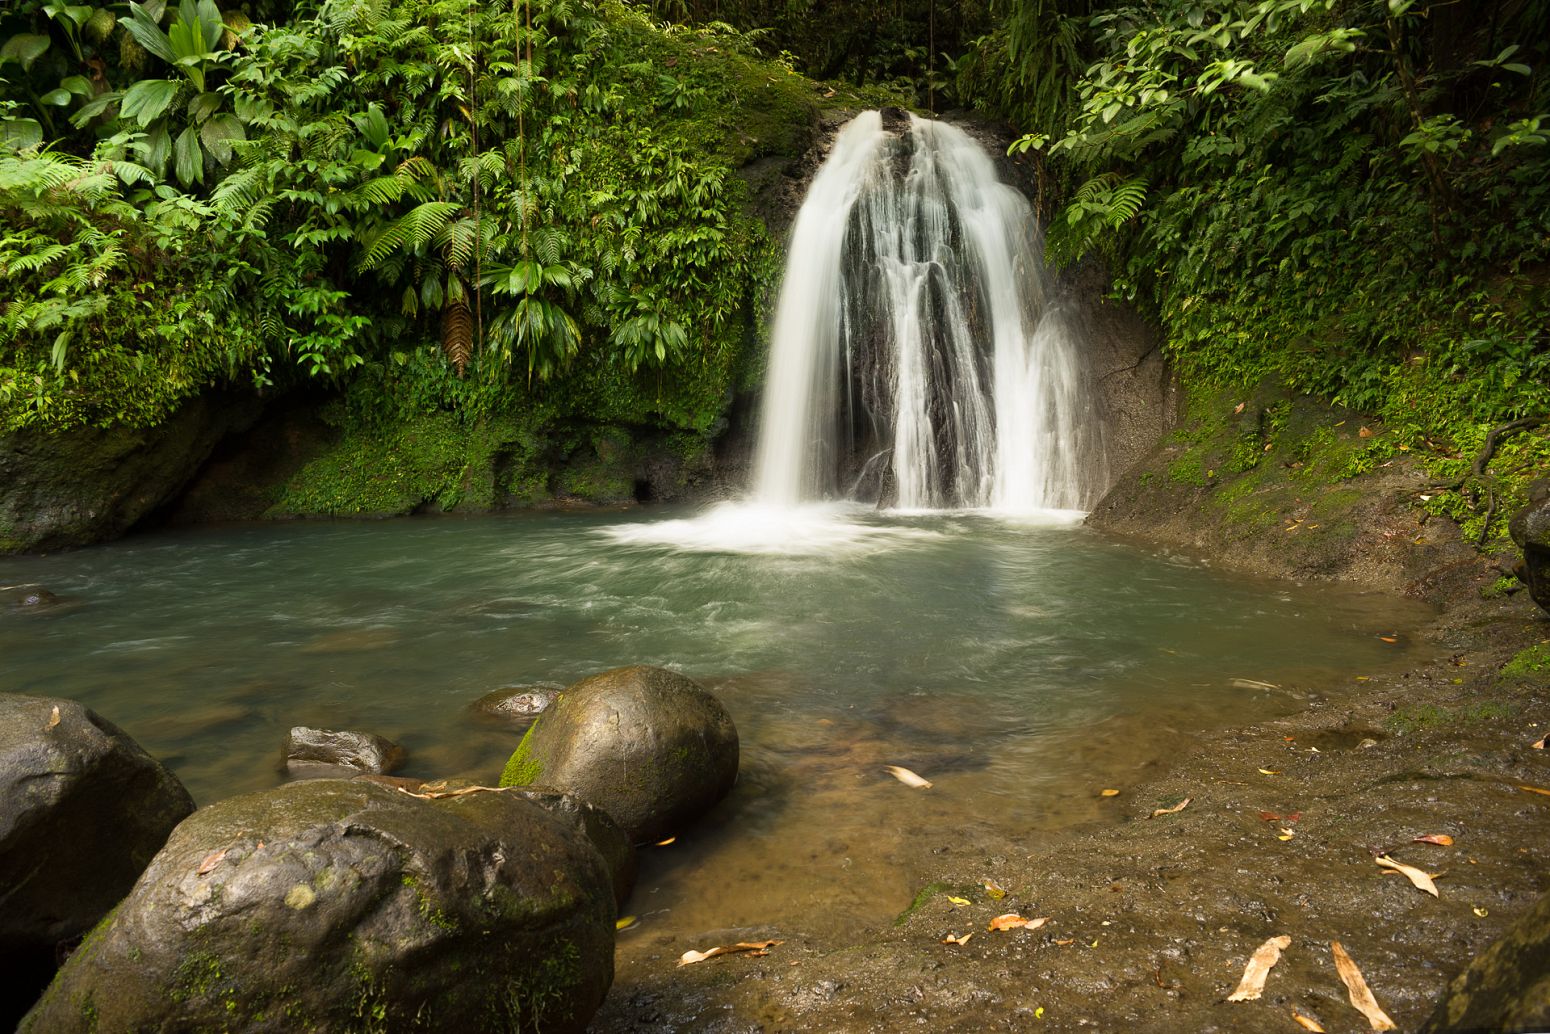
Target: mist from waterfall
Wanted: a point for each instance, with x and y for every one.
(918, 359)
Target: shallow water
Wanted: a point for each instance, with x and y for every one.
(1013, 664)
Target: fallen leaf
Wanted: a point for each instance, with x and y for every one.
(1365, 432)
(1269, 816)
(960, 902)
(1421, 880)
(53, 718)
(1481, 912)
(907, 777)
(1440, 839)
(1360, 993)
(1270, 771)
(1238, 408)
(1067, 942)
(1538, 744)
(1294, 816)
(211, 860)
(1389, 638)
(741, 947)
(1253, 684)
(1108, 793)
(625, 922)
(1533, 789)
(955, 939)
(1286, 834)
(664, 843)
(1173, 810)
(1013, 921)
(1266, 955)
(994, 890)
(1307, 1022)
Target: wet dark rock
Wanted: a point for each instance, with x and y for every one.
(325, 752)
(598, 827)
(516, 704)
(1530, 529)
(341, 905)
(82, 811)
(1507, 986)
(28, 598)
(647, 745)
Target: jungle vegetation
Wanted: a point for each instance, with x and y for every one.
(441, 206)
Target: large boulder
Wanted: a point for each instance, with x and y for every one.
(647, 745)
(337, 752)
(1507, 986)
(597, 826)
(341, 905)
(1530, 529)
(82, 811)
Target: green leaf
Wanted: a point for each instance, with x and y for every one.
(219, 134)
(21, 133)
(78, 85)
(188, 157)
(144, 28)
(147, 99)
(24, 49)
(59, 98)
(203, 105)
(92, 108)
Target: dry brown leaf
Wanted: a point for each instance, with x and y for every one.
(1269, 816)
(740, 948)
(1534, 789)
(1253, 983)
(1356, 987)
(1238, 408)
(1067, 942)
(1365, 432)
(429, 793)
(1307, 1022)
(211, 860)
(1538, 744)
(1389, 638)
(1013, 921)
(1108, 793)
(664, 843)
(1270, 771)
(907, 777)
(1173, 810)
(1421, 880)
(955, 939)
(1253, 684)
(1440, 839)
(53, 718)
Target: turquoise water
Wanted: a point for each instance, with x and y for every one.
(1014, 665)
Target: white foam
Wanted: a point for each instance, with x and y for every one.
(810, 529)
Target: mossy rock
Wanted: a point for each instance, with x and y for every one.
(1532, 663)
(649, 746)
(1507, 986)
(336, 905)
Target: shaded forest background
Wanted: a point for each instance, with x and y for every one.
(513, 219)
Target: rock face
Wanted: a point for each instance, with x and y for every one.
(1506, 987)
(89, 485)
(594, 823)
(315, 752)
(335, 905)
(518, 704)
(1530, 529)
(82, 811)
(647, 745)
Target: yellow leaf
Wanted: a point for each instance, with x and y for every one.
(625, 922)
(1173, 810)
(1108, 793)
(664, 843)
(1533, 789)
(1389, 638)
(1252, 985)
(1481, 912)
(1356, 987)
(741, 947)
(1307, 1022)
(907, 777)
(1013, 921)
(1416, 876)
(1270, 771)
(994, 890)
(1286, 834)
(53, 718)
(955, 939)
(960, 902)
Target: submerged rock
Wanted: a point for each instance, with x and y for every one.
(28, 598)
(1507, 986)
(325, 752)
(1530, 529)
(336, 905)
(647, 745)
(520, 704)
(82, 811)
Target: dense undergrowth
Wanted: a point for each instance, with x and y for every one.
(442, 207)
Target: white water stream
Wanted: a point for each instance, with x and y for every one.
(918, 360)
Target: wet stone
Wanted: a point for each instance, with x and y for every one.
(326, 753)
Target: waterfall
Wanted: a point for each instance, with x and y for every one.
(918, 358)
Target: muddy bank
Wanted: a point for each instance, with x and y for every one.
(1151, 920)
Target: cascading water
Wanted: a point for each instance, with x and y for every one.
(917, 359)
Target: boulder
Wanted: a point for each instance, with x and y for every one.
(595, 824)
(320, 753)
(516, 704)
(28, 598)
(1507, 986)
(1530, 529)
(82, 811)
(341, 905)
(647, 745)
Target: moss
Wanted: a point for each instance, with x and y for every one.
(1430, 717)
(523, 769)
(1533, 662)
(922, 896)
(527, 999)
